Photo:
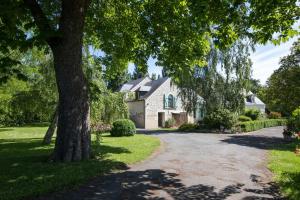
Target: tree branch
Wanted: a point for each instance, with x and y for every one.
(39, 18)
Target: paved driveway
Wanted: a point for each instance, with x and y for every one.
(193, 166)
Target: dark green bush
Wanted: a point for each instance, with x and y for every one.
(243, 118)
(259, 124)
(254, 114)
(220, 118)
(188, 127)
(274, 115)
(170, 123)
(123, 127)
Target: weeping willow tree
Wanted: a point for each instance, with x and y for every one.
(221, 83)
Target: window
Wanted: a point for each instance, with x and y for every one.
(170, 101)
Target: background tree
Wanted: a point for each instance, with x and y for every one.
(139, 71)
(221, 84)
(282, 93)
(174, 32)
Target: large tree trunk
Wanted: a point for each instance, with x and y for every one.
(73, 128)
(51, 129)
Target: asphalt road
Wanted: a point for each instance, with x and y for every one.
(193, 166)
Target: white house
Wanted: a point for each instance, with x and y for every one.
(152, 102)
(253, 102)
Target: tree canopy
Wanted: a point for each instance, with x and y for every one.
(282, 93)
(177, 33)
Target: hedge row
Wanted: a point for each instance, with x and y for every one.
(259, 124)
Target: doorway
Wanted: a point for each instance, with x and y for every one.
(161, 119)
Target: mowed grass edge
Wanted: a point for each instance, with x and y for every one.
(285, 165)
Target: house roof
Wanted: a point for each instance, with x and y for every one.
(143, 84)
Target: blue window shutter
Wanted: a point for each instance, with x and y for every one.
(165, 102)
(175, 102)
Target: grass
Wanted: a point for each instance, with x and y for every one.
(285, 165)
(25, 171)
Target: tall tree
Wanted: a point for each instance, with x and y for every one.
(282, 93)
(175, 32)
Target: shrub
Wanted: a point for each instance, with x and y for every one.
(293, 123)
(259, 124)
(243, 118)
(254, 114)
(170, 123)
(274, 115)
(188, 127)
(220, 117)
(123, 127)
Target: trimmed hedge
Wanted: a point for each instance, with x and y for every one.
(123, 127)
(188, 127)
(259, 124)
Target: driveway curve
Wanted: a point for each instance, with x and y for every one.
(193, 166)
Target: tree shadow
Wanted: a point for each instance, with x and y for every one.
(257, 141)
(6, 129)
(156, 184)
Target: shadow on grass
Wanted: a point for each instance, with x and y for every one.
(26, 172)
(6, 129)
(157, 184)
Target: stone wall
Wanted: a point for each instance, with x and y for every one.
(155, 104)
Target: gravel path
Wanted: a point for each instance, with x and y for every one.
(193, 166)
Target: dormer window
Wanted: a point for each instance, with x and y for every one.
(250, 99)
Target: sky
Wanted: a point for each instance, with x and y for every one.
(265, 60)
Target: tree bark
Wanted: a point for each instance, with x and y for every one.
(51, 129)
(73, 128)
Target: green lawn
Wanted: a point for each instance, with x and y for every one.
(26, 172)
(286, 166)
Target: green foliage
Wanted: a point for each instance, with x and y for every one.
(24, 165)
(296, 113)
(123, 127)
(259, 124)
(253, 113)
(274, 115)
(218, 91)
(170, 123)
(283, 92)
(293, 123)
(243, 118)
(220, 117)
(188, 127)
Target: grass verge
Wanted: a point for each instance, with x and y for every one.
(25, 171)
(285, 165)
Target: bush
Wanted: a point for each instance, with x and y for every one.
(274, 115)
(170, 123)
(259, 124)
(220, 117)
(188, 127)
(254, 114)
(293, 123)
(243, 118)
(123, 127)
